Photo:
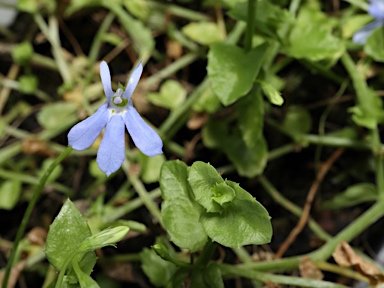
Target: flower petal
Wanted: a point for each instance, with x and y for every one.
(361, 36)
(84, 133)
(376, 9)
(105, 76)
(144, 137)
(133, 80)
(111, 152)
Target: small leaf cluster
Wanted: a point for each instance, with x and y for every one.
(70, 246)
(200, 205)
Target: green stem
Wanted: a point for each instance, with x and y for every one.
(98, 41)
(118, 212)
(350, 232)
(366, 100)
(357, 78)
(59, 281)
(178, 11)
(252, 4)
(29, 210)
(170, 69)
(291, 207)
(52, 34)
(147, 200)
(276, 279)
(323, 253)
(278, 152)
(207, 253)
(145, 197)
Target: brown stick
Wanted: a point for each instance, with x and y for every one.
(308, 203)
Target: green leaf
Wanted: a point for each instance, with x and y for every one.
(172, 95)
(273, 95)
(359, 3)
(65, 234)
(141, 36)
(205, 33)
(202, 178)
(28, 6)
(28, 84)
(222, 194)
(214, 134)
(180, 212)
(85, 280)
(353, 195)
(311, 38)
(249, 161)
(9, 194)
(208, 101)
(354, 23)
(94, 170)
(150, 167)
(270, 19)
(230, 72)
(138, 8)
(374, 46)
(76, 5)
(54, 115)
(107, 237)
(297, 120)
(244, 221)
(369, 110)
(224, 3)
(207, 277)
(158, 270)
(250, 111)
(22, 52)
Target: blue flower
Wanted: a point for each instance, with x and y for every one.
(114, 113)
(376, 9)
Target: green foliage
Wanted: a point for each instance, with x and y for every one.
(270, 19)
(158, 270)
(311, 37)
(55, 173)
(273, 95)
(208, 101)
(150, 167)
(179, 211)
(22, 53)
(66, 233)
(28, 84)
(53, 115)
(297, 120)
(70, 245)
(375, 45)
(230, 72)
(353, 195)
(204, 33)
(172, 94)
(220, 207)
(10, 191)
(219, 68)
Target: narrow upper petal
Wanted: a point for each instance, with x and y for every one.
(376, 9)
(84, 133)
(361, 36)
(111, 152)
(133, 80)
(106, 80)
(144, 137)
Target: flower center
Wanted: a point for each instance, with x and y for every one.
(118, 101)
